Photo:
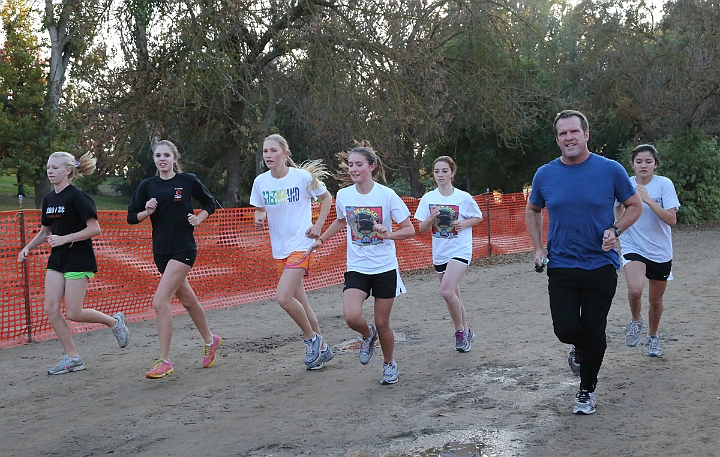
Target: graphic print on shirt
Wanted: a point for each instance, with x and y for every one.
(443, 224)
(178, 194)
(361, 220)
(281, 197)
(54, 212)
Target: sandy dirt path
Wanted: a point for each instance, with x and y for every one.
(512, 395)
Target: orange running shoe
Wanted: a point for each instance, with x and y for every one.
(210, 351)
(160, 369)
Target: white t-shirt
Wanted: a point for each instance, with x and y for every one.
(446, 241)
(288, 203)
(649, 236)
(366, 253)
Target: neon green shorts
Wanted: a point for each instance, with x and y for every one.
(77, 274)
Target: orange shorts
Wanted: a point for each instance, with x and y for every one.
(297, 260)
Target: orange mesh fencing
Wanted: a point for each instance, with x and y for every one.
(234, 263)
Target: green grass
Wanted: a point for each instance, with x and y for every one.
(107, 199)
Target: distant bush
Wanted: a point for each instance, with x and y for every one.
(691, 159)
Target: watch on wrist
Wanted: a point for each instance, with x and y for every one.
(617, 230)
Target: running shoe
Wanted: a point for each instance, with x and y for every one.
(469, 338)
(210, 350)
(120, 330)
(460, 341)
(312, 349)
(67, 364)
(585, 403)
(390, 373)
(574, 361)
(325, 356)
(160, 369)
(367, 348)
(653, 346)
(632, 337)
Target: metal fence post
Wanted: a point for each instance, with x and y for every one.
(26, 275)
(487, 210)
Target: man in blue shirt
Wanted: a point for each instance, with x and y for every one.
(579, 190)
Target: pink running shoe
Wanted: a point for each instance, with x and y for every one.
(160, 369)
(210, 351)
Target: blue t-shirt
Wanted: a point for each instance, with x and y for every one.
(580, 200)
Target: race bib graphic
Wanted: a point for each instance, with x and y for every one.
(55, 212)
(443, 224)
(178, 194)
(361, 221)
(281, 197)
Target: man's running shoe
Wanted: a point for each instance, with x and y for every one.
(632, 337)
(312, 349)
(574, 361)
(160, 369)
(325, 356)
(210, 350)
(67, 364)
(120, 330)
(390, 373)
(585, 403)
(653, 346)
(367, 347)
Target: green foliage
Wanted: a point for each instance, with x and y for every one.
(22, 91)
(691, 159)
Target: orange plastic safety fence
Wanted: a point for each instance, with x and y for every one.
(234, 263)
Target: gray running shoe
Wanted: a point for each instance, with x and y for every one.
(367, 348)
(460, 341)
(67, 364)
(585, 403)
(632, 337)
(653, 346)
(390, 373)
(312, 349)
(121, 332)
(574, 361)
(325, 356)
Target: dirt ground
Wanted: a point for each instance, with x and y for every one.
(512, 395)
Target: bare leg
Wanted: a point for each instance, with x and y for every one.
(383, 307)
(635, 278)
(450, 288)
(657, 290)
(301, 297)
(174, 276)
(352, 309)
(195, 310)
(285, 294)
(54, 292)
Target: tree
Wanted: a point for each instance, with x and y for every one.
(22, 89)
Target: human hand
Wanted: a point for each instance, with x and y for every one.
(459, 225)
(381, 230)
(313, 232)
(22, 255)
(259, 222)
(58, 240)
(193, 219)
(642, 193)
(316, 244)
(151, 206)
(608, 240)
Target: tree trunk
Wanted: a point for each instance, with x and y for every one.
(264, 126)
(413, 165)
(231, 198)
(60, 54)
